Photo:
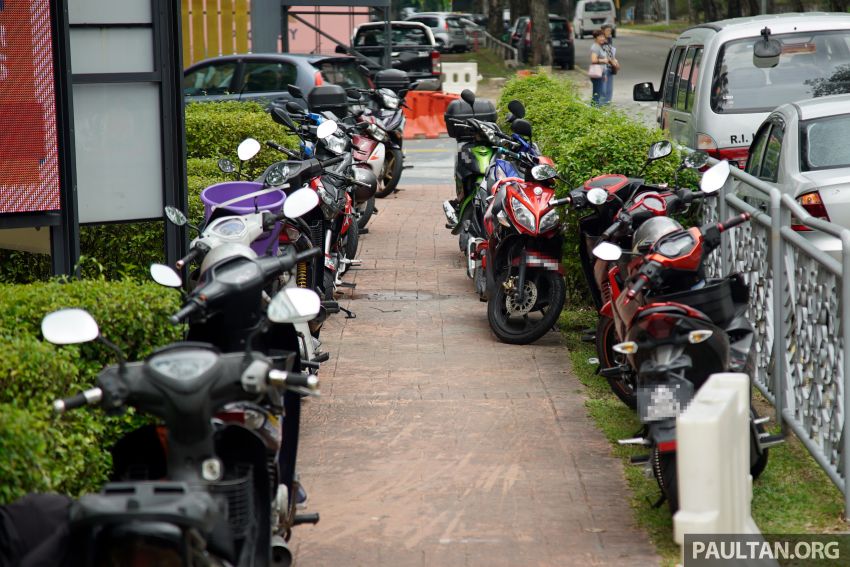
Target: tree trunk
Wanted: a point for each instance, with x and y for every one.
(519, 8)
(541, 48)
(494, 18)
(477, 6)
(565, 8)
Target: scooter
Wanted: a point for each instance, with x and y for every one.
(202, 487)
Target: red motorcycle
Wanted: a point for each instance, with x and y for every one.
(521, 256)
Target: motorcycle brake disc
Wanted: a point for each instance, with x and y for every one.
(514, 307)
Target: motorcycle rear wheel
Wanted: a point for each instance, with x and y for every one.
(364, 212)
(352, 240)
(622, 385)
(551, 296)
(391, 174)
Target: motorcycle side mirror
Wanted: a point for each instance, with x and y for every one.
(468, 97)
(294, 305)
(226, 166)
(326, 129)
(353, 94)
(248, 149)
(165, 275)
(517, 109)
(295, 91)
(695, 160)
(294, 108)
(715, 177)
(300, 203)
(543, 172)
(522, 127)
(282, 117)
(607, 251)
(403, 92)
(597, 196)
(659, 150)
(176, 216)
(69, 327)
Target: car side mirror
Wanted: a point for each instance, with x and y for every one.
(645, 92)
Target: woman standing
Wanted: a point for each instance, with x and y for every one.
(599, 56)
(613, 65)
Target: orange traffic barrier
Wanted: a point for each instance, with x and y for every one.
(425, 115)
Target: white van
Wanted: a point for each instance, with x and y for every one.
(592, 15)
(713, 96)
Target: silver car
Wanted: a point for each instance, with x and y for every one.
(446, 28)
(802, 149)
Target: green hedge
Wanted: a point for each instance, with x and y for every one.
(584, 142)
(39, 451)
(115, 251)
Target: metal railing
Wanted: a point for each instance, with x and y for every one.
(800, 307)
(502, 49)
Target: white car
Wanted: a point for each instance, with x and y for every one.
(802, 148)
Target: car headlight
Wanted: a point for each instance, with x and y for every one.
(522, 214)
(550, 220)
(335, 144)
(377, 132)
(389, 99)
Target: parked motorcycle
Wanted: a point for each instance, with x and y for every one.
(678, 328)
(201, 494)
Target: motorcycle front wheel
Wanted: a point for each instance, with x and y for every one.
(364, 211)
(623, 384)
(391, 174)
(352, 239)
(523, 323)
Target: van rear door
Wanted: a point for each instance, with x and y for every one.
(679, 94)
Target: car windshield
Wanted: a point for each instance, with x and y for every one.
(824, 143)
(400, 36)
(598, 7)
(811, 65)
(558, 29)
(346, 74)
(453, 23)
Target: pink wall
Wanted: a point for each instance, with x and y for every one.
(303, 39)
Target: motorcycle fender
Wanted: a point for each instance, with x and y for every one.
(376, 159)
(662, 435)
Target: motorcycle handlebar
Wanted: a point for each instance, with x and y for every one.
(191, 307)
(283, 379)
(733, 222)
(92, 396)
(642, 280)
(193, 254)
(611, 230)
(332, 161)
(281, 149)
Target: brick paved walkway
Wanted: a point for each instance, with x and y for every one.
(433, 443)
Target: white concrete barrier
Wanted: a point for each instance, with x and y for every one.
(713, 460)
(459, 76)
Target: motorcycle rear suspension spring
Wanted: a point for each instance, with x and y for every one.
(301, 274)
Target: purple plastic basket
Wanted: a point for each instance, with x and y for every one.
(271, 201)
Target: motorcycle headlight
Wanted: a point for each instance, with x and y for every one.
(377, 132)
(335, 144)
(389, 99)
(550, 220)
(522, 214)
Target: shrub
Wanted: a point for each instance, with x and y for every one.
(584, 142)
(39, 451)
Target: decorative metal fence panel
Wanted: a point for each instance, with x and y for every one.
(800, 308)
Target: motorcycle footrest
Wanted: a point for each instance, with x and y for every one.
(588, 338)
(614, 371)
(364, 231)
(633, 441)
(305, 519)
(350, 262)
(638, 459)
(766, 440)
(321, 357)
(331, 306)
(451, 226)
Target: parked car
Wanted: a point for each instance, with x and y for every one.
(446, 29)
(263, 77)
(414, 50)
(591, 15)
(802, 150)
(560, 34)
(713, 96)
(474, 32)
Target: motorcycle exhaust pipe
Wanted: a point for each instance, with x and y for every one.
(281, 554)
(451, 214)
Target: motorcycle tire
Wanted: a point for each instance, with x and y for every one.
(364, 212)
(327, 291)
(463, 235)
(664, 470)
(511, 333)
(622, 385)
(391, 175)
(352, 240)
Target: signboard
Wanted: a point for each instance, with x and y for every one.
(29, 152)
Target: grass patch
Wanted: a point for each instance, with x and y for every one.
(793, 494)
(676, 27)
(489, 64)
